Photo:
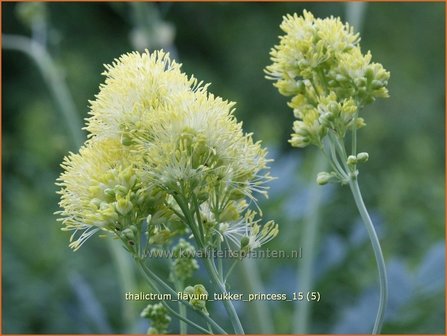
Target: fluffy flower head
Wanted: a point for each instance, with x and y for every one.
(159, 147)
(99, 190)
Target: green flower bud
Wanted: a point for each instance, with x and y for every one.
(360, 82)
(123, 206)
(360, 122)
(160, 236)
(126, 139)
(362, 157)
(326, 119)
(377, 84)
(183, 264)
(128, 234)
(230, 213)
(324, 178)
(352, 160)
(202, 196)
(198, 296)
(244, 242)
(157, 314)
(120, 190)
(109, 192)
(340, 78)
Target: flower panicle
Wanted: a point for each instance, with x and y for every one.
(158, 144)
(319, 63)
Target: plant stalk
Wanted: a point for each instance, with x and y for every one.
(153, 278)
(237, 326)
(309, 243)
(383, 283)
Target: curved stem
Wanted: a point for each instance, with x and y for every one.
(340, 170)
(52, 77)
(237, 326)
(377, 252)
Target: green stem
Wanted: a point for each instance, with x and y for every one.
(151, 275)
(340, 170)
(209, 263)
(354, 136)
(183, 204)
(181, 309)
(220, 264)
(377, 252)
(230, 269)
(186, 320)
(309, 240)
(261, 316)
(52, 77)
(183, 326)
(126, 275)
(182, 318)
(237, 326)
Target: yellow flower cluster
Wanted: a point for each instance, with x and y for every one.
(320, 64)
(160, 148)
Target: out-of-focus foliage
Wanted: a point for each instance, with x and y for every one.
(49, 289)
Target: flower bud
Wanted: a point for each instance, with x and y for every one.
(126, 139)
(244, 242)
(360, 122)
(362, 157)
(352, 160)
(198, 297)
(109, 192)
(123, 206)
(128, 234)
(377, 84)
(120, 189)
(324, 177)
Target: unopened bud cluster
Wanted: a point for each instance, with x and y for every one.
(159, 319)
(183, 264)
(319, 63)
(198, 296)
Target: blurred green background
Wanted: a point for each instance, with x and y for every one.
(49, 289)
